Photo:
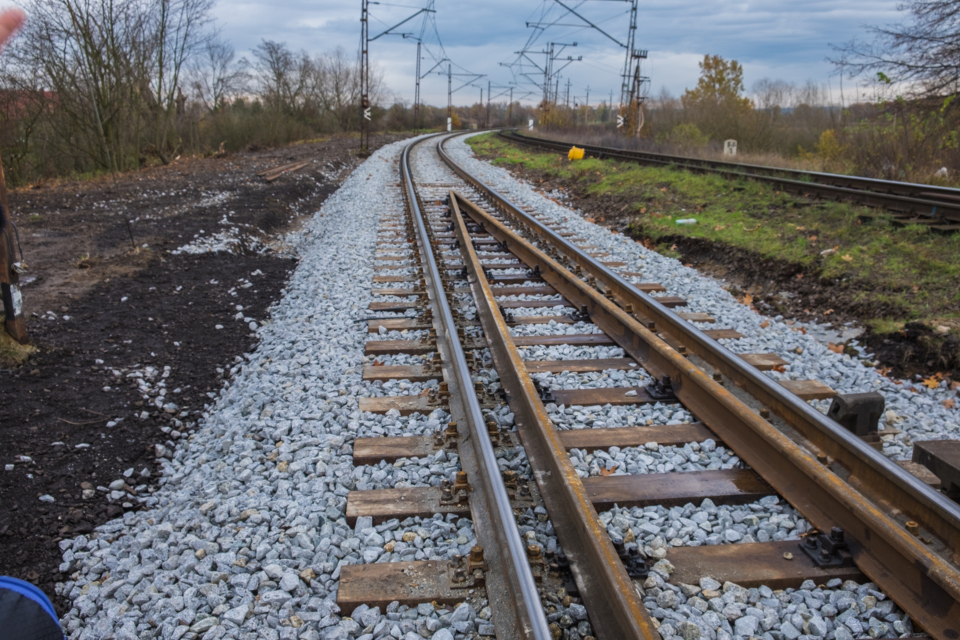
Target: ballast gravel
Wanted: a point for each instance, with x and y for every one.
(246, 535)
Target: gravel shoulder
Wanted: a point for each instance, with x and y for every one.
(133, 343)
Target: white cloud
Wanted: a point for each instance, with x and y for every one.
(776, 39)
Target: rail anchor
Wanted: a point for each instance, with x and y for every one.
(859, 413)
(661, 389)
(827, 550)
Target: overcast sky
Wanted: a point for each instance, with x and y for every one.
(773, 39)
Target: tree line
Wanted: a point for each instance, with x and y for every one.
(95, 86)
(901, 123)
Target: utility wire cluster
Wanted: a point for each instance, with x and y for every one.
(531, 75)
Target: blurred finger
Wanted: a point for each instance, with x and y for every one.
(10, 21)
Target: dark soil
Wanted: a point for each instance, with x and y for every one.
(783, 287)
(777, 286)
(73, 416)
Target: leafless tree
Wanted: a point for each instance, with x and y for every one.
(921, 52)
(113, 68)
(338, 87)
(179, 32)
(216, 77)
(284, 77)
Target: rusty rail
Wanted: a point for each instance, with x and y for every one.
(616, 610)
(511, 588)
(923, 583)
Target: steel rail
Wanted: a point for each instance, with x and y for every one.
(615, 607)
(897, 196)
(517, 610)
(921, 582)
(878, 476)
(857, 182)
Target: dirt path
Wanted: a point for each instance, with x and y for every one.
(134, 340)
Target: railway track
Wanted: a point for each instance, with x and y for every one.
(934, 206)
(510, 323)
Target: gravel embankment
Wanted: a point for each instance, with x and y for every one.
(246, 535)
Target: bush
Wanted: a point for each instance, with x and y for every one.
(684, 136)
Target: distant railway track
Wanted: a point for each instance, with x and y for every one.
(480, 272)
(936, 207)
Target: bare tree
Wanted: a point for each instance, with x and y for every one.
(337, 88)
(284, 77)
(93, 55)
(179, 33)
(113, 68)
(922, 51)
(216, 77)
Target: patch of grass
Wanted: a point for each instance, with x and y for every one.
(669, 250)
(12, 353)
(882, 325)
(910, 273)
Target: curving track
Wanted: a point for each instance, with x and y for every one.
(458, 424)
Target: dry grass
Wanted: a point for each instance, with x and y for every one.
(712, 151)
(12, 353)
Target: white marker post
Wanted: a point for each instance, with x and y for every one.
(530, 125)
(449, 124)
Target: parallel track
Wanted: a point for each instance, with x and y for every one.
(830, 476)
(936, 206)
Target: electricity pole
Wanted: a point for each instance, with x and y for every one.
(630, 116)
(547, 77)
(365, 40)
(449, 96)
(416, 96)
(566, 99)
(486, 119)
(510, 109)
(364, 78)
(630, 98)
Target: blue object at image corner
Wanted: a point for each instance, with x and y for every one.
(26, 613)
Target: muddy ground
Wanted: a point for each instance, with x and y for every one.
(777, 286)
(132, 340)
